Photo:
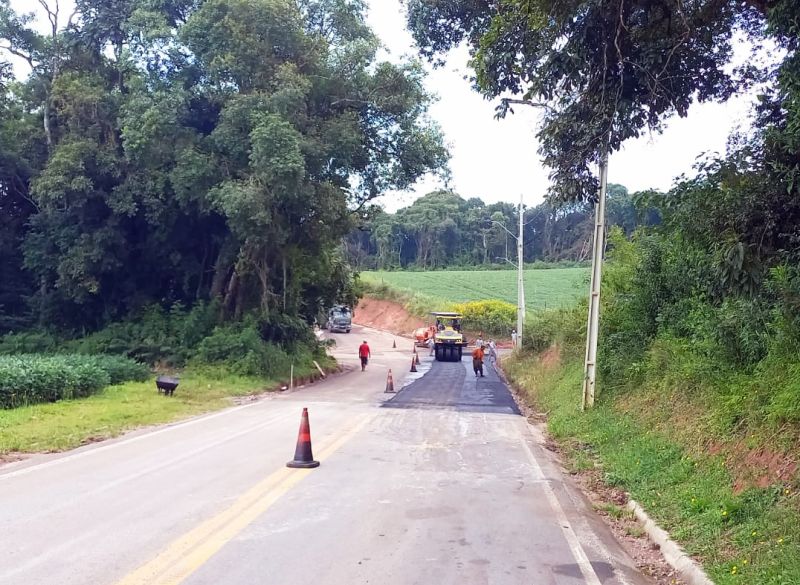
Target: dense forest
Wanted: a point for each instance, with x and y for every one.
(442, 229)
(185, 152)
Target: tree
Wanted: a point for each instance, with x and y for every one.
(188, 151)
(601, 71)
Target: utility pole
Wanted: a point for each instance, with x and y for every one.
(590, 363)
(520, 280)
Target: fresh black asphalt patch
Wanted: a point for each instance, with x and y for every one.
(453, 386)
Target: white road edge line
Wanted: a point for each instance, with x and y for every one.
(115, 444)
(219, 439)
(566, 528)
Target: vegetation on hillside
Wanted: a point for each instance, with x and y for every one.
(443, 230)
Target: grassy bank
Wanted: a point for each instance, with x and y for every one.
(717, 488)
(69, 423)
(81, 386)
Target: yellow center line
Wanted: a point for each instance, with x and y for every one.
(189, 552)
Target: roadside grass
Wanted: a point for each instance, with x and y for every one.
(544, 288)
(747, 536)
(67, 424)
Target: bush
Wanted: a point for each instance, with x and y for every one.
(155, 336)
(28, 342)
(489, 317)
(239, 349)
(566, 327)
(32, 378)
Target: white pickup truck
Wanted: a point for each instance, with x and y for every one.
(340, 318)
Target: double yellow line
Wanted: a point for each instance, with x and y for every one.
(189, 552)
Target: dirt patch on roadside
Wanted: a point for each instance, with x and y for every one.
(761, 467)
(386, 315)
(609, 502)
(551, 358)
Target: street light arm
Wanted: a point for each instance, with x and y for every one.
(504, 227)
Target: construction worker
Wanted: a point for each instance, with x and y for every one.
(493, 351)
(477, 360)
(364, 354)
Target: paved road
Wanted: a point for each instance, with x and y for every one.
(444, 483)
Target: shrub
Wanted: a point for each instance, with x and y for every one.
(493, 317)
(155, 336)
(240, 350)
(566, 327)
(28, 342)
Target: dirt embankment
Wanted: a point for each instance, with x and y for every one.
(394, 318)
(387, 316)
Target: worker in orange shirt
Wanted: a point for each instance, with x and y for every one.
(477, 360)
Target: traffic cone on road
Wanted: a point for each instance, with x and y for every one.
(413, 364)
(416, 357)
(389, 383)
(394, 344)
(303, 458)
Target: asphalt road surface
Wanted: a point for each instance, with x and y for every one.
(442, 483)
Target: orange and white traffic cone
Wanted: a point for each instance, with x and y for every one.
(303, 457)
(389, 383)
(413, 364)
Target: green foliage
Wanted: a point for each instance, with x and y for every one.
(194, 152)
(565, 328)
(30, 378)
(489, 317)
(686, 488)
(28, 342)
(155, 335)
(240, 350)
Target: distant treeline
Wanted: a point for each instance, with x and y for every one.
(443, 229)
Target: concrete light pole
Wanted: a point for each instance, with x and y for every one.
(520, 279)
(520, 269)
(593, 326)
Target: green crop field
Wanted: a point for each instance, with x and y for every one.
(544, 288)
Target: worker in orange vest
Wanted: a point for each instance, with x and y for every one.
(477, 360)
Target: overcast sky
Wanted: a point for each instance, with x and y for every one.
(496, 160)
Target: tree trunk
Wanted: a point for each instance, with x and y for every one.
(222, 269)
(202, 277)
(48, 133)
(232, 294)
(283, 266)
